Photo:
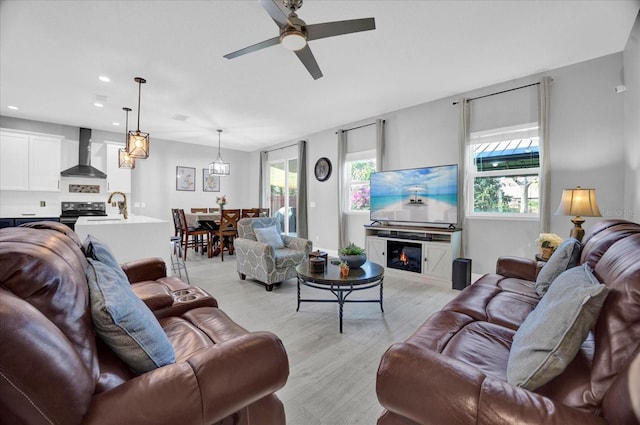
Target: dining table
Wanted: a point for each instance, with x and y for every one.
(209, 221)
(198, 219)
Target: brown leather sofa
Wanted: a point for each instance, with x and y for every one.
(55, 370)
(452, 370)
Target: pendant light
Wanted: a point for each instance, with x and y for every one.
(219, 167)
(124, 159)
(138, 144)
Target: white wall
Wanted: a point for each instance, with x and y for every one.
(631, 79)
(152, 181)
(594, 143)
(587, 149)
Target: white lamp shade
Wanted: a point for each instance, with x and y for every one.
(293, 40)
(579, 202)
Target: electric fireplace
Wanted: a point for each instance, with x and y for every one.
(404, 256)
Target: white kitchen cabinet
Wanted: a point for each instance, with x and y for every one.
(29, 161)
(118, 179)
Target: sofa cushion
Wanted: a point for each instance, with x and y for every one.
(124, 322)
(566, 256)
(550, 336)
(286, 257)
(270, 236)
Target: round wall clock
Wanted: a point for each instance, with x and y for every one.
(323, 169)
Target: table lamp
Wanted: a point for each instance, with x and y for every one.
(578, 202)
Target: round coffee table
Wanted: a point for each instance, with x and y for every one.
(368, 276)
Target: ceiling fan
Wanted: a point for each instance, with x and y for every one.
(295, 33)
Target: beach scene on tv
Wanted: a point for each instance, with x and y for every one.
(420, 195)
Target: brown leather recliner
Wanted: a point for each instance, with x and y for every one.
(54, 370)
(452, 370)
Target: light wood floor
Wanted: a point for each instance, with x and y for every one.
(332, 375)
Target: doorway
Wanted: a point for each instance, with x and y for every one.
(283, 193)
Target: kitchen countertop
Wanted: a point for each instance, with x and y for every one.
(135, 238)
(117, 219)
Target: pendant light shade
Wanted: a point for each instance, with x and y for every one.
(124, 159)
(138, 142)
(219, 167)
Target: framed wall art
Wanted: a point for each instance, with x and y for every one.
(210, 183)
(185, 178)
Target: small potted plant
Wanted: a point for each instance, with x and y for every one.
(344, 269)
(222, 201)
(547, 243)
(353, 255)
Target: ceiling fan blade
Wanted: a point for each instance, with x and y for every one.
(330, 29)
(277, 12)
(309, 61)
(258, 46)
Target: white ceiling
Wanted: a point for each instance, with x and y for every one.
(52, 52)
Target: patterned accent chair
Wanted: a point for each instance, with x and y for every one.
(261, 261)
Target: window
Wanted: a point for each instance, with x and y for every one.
(283, 193)
(358, 169)
(504, 172)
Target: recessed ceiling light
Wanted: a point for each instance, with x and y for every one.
(15, 108)
(98, 104)
(104, 78)
(115, 123)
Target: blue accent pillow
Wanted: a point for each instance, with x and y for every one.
(270, 236)
(98, 250)
(566, 256)
(550, 336)
(124, 322)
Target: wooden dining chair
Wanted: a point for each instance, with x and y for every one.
(176, 222)
(193, 237)
(198, 210)
(227, 230)
(214, 210)
(250, 212)
(264, 212)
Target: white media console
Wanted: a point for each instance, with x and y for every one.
(427, 251)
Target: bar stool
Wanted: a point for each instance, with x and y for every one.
(177, 261)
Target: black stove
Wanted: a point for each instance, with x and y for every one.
(72, 210)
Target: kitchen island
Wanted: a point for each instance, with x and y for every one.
(135, 238)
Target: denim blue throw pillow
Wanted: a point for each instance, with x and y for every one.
(98, 250)
(551, 335)
(566, 256)
(124, 322)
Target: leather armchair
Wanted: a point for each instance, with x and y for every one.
(54, 369)
(261, 261)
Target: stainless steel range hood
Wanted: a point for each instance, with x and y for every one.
(84, 168)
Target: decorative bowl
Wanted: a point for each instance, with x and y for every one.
(354, 261)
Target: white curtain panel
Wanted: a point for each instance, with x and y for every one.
(544, 101)
(463, 147)
(302, 230)
(264, 157)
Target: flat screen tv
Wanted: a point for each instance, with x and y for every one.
(426, 195)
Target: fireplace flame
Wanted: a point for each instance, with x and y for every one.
(403, 258)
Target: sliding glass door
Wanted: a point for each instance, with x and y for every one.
(283, 193)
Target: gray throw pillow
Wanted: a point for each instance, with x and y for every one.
(550, 336)
(124, 322)
(566, 256)
(269, 235)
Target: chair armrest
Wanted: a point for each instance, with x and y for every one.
(209, 386)
(428, 387)
(299, 244)
(145, 269)
(518, 267)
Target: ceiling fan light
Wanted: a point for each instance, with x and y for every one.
(292, 39)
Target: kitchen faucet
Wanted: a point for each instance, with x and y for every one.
(124, 208)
